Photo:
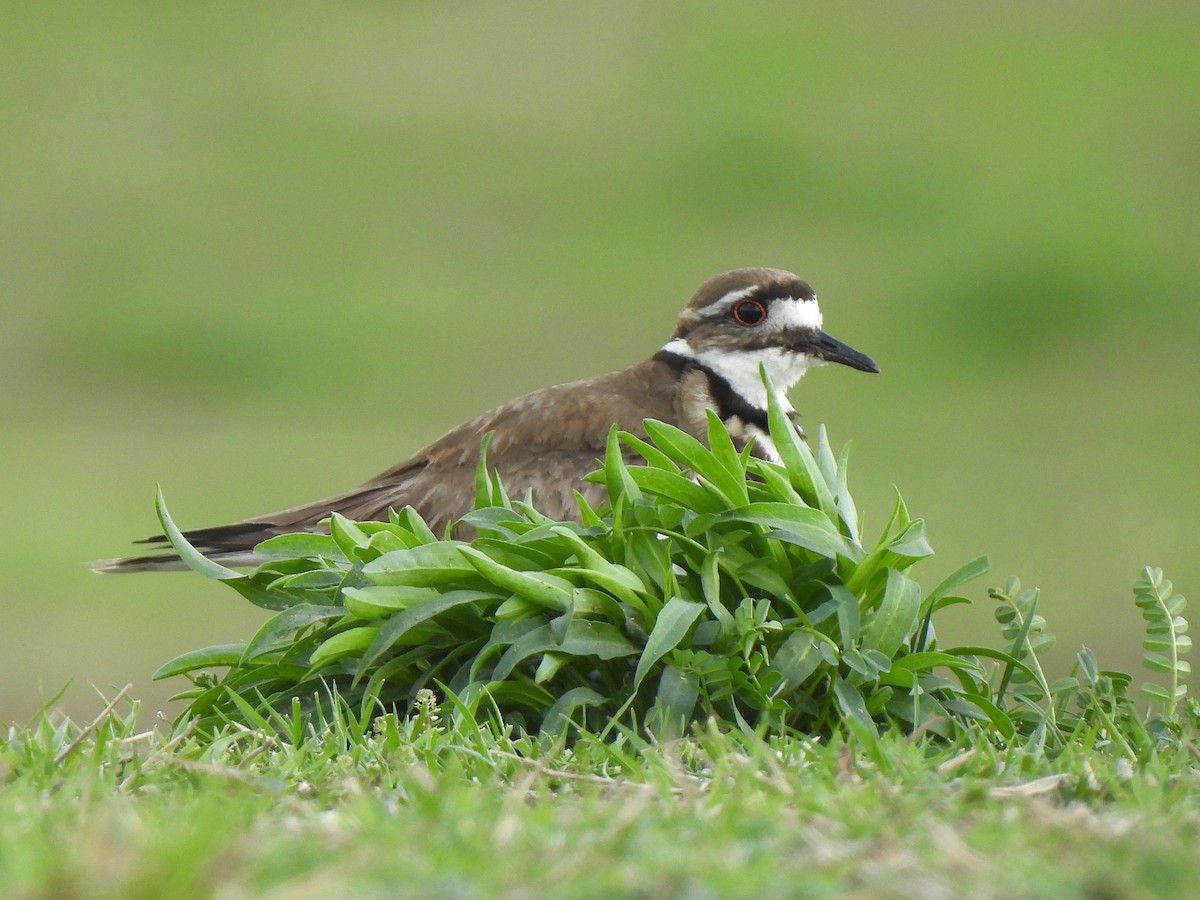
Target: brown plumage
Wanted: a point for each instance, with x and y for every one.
(545, 442)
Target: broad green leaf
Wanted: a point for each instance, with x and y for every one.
(549, 666)
(720, 466)
(319, 581)
(206, 658)
(542, 588)
(617, 477)
(849, 616)
(911, 544)
(687, 450)
(583, 638)
(896, 617)
(523, 693)
(999, 655)
(622, 582)
(710, 584)
(286, 622)
(799, 525)
(779, 488)
(674, 702)
(394, 628)
(798, 460)
(416, 526)
(1155, 693)
(558, 716)
(678, 489)
(429, 565)
(854, 712)
(841, 490)
(483, 482)
(797, 659)
(672, 624)
(929, 660)
(651, 454)
(377, 600)
(344, 643)
(349, 536)
(303, 543)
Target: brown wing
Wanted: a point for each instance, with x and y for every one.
(543, 443)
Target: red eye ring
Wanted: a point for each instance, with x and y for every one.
(750, 313)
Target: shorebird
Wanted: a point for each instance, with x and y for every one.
(545, 442)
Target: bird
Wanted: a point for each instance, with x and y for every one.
(543, 444)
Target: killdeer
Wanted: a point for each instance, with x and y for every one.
(546, 442)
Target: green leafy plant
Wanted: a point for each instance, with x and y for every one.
(715, 586)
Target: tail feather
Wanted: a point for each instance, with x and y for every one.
(230, 545)
(169, 562)
(233, 545)
(240, 536)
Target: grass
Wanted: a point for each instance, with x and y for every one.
(437, 806)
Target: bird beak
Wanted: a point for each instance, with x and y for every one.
(830, 349)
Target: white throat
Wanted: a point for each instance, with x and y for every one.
(742, 370)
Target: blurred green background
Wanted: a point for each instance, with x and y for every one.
(258, 253)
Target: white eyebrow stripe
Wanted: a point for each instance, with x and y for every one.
(722, 306)
(787, 313)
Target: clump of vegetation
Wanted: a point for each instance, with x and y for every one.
(716, 586)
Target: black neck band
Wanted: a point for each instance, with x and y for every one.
(729, 402)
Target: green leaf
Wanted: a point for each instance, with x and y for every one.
(286, 622)
(398, 625)
(622, 582)
(206, 658)
(896, 616)
(798, 460)
(301, 544)
(377, 600)
(483, 482)
(710, 584)
(799, 525)
(192, 558)
(952, 582)
(1155, 693)
(678, 489)
(849, 616)
(617, 478)
(349, 536)
(345, 643)
(929, 660)
(674, 702)
(798, 658)
(841, 489)
(672, 624)
(583, 638)
(721, 467)
(541, 588)
(651, 454)
(558, 716)
(854, 712)
(911, 544)
(430, 565)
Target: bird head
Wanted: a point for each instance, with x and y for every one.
(746, 319)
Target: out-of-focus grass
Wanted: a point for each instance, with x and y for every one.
(258, 256)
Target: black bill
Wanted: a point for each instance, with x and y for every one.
(832, 350)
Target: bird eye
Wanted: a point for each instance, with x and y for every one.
(750, 313)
